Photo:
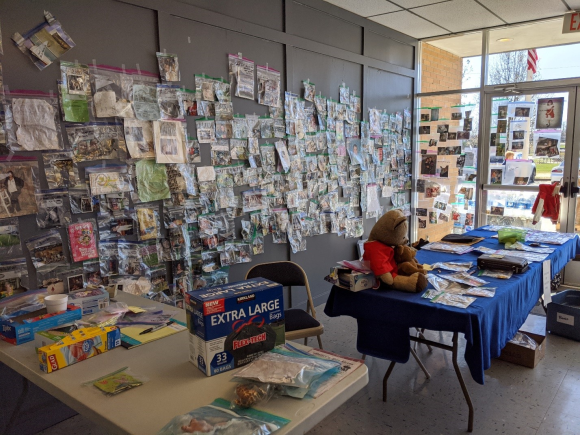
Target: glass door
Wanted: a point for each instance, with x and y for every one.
(529, 141)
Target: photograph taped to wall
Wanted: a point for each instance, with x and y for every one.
(424, 129)
(17, 188)
(550, 113)
(428, 164)
(547, 147)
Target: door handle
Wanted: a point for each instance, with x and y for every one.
(574, 189)
(564, 189)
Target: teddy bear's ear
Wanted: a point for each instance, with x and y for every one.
(399, 221)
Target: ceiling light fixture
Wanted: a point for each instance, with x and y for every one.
(504, 39)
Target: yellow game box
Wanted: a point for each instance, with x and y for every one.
(79, 346)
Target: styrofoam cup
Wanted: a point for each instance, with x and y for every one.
(55, 303)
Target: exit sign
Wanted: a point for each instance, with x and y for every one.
(571, 23)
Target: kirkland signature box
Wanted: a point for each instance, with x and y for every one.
(233, 324)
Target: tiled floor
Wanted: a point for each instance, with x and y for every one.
(515, 400)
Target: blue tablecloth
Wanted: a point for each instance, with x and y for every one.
(384, 316)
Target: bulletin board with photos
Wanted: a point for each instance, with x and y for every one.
(447, 169)
(526, 135)
(307, 164)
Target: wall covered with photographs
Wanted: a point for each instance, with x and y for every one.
(213, 178)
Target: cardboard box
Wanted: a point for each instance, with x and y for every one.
(233, 324)
(46, 338)
(534, 327)
(90, 300)
(564, 314)
(81, 345)
(348, 279)
(16, 331)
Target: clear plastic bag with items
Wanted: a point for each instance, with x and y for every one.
(168, 66)
(239, 127)
(75, 92)
(112, 91)
(241, 72)
(139, 138)
(524, 340)
(97, 141)
(108, 178)
(10, 238)
(144, 96)
(222, 91)
(32, 121)
(80, 199)
(218, 417)
(152, 180)
(168, 100)
(53, 208)
(268, 86)
(13, 276)
(116, 382)
(116, 225)
(148, 222)
(46, 250)
(59, 169)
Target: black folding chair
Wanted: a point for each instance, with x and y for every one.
(299, 323)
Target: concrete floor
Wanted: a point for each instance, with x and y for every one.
(514, 400)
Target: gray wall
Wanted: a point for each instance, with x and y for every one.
(310, 39)
(307, 39)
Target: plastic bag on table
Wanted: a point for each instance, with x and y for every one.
(524, 340)
(22, 303)
(286, 368)
(218, 418)
(117, 382)
(501, 274)
(453, 265)
(32, 121)
(108, 316)
(112, 91)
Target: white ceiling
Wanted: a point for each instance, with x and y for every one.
(429, 18)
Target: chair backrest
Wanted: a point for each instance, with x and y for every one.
(286, 273)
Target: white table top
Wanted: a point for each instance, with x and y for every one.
(175, 385)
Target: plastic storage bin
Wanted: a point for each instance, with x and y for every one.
(564, 314)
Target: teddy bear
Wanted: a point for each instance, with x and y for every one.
(391, 260)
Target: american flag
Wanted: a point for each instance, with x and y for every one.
(533, 60)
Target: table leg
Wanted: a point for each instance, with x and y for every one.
(427, 375)
(462, 382)
(386, 378)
